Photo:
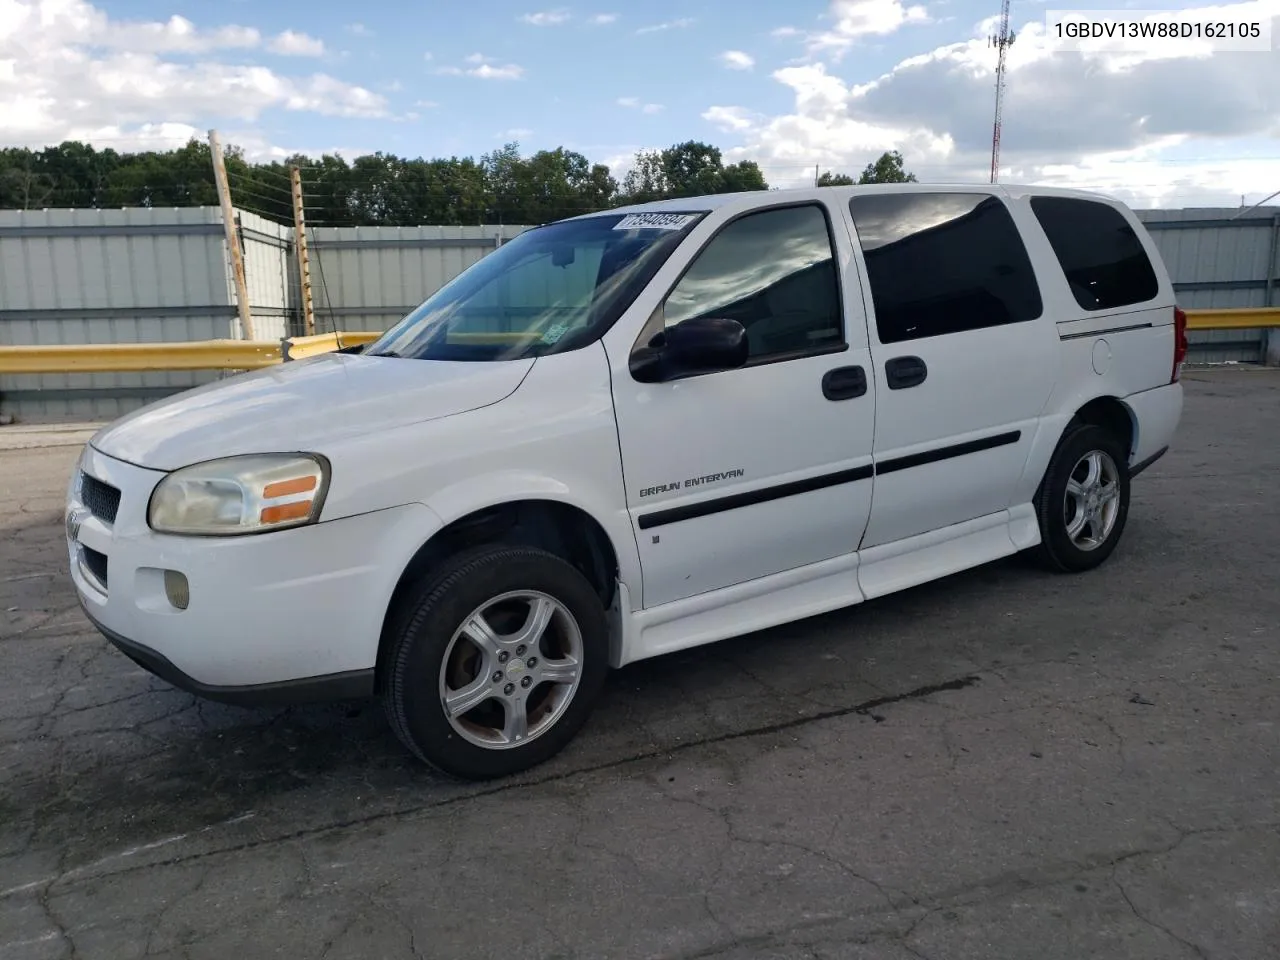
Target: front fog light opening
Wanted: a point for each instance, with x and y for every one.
(176, 589)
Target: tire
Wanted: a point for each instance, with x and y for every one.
(431, 658)
(1063, 548)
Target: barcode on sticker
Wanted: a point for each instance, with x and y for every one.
(654, 221)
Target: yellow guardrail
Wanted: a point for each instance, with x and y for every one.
(299, 348)
(1241, 318)
(130, 357)
(253, 355)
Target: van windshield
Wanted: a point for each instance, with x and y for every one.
(551, 289)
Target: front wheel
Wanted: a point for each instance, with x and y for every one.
(1083, 500)
(496, 662)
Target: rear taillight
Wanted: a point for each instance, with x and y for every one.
(1179, 343)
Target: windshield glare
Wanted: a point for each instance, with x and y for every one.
(550, 289)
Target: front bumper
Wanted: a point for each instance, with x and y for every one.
(352, 685)
(285, 616)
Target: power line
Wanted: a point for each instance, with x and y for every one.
(249, 179)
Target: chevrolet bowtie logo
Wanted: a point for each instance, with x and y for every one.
(74, 519)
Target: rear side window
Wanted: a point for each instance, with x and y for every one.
(941, 263)
(1101, 255)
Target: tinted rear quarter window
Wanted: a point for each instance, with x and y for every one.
(1101, 255)
(942, 263)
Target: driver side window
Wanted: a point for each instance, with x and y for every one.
(775, 273)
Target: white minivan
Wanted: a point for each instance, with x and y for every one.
(632, 432)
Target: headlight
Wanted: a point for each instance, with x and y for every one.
(238, 495)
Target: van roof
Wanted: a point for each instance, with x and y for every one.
(752, 197)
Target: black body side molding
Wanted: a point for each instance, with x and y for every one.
(733, 501)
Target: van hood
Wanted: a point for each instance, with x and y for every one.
(303, 405)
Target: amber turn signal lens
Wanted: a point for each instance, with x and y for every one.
(286, 511)
(282, 488)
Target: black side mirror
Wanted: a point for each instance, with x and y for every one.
(695, 346)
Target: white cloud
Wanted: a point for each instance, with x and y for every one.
(785, 32)
(856, 19)
(293, 44)
(175, 35)
(484, 68)
(327, 95)
(68, 71)
(508, 71)
(143, 137)
(634, 103)
(546, 18)
(76, 22)
(731, 119)
(359, 30)
(1117, 122)
(603, 19)
(425, 104)
(667, 25)
(518, 133)
(737, 60)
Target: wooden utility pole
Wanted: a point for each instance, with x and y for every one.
(304, 258)
(232, 235)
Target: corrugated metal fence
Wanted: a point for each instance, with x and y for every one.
(128, 276)
(145, 275)
(367, 278)
(1218, 262)
(161, 275)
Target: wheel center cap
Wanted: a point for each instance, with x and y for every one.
(515, 668)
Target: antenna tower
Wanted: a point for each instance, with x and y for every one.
(1001, 41)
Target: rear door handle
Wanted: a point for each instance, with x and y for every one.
(844, 383)
(903, 372)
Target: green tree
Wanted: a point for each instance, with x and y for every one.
(744, 175)
(646, 180)
(688, 169)
(23, 187)
(887, 169)
(375, 189)
(692, 169)
(829, 179)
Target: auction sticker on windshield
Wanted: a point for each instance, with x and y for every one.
(654, 221)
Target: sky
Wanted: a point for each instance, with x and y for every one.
(825, 84)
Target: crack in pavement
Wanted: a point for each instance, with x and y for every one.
(860, 709)
(1115, 880)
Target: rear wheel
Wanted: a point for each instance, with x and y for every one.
(1083, 501)
(496, 662)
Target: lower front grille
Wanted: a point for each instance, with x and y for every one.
(96, 563)
(102, 499)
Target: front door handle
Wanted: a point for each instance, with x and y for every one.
(844, 383)
(903, 372)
